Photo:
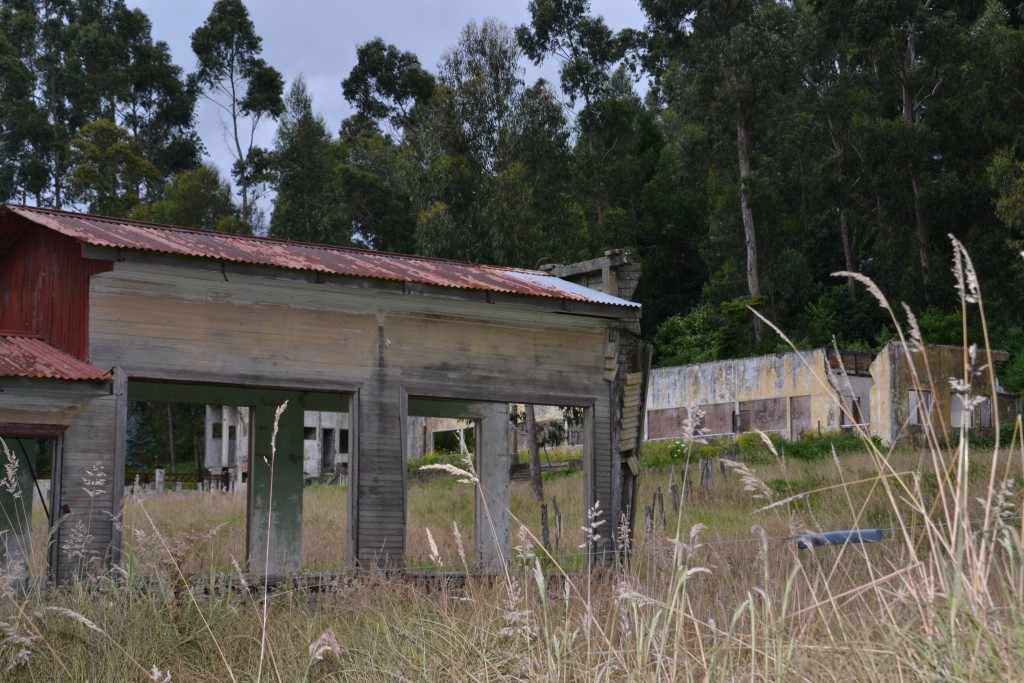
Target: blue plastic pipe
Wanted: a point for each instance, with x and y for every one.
(805, 541)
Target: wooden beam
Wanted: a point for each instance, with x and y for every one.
(173, 392)
(230, 269)
(432, 407)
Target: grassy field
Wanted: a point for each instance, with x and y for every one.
(717, 590)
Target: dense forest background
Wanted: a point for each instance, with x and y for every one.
(774, 144)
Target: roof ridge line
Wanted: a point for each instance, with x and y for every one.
(265, 239)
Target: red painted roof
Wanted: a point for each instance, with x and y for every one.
(123, 234)
(31, 357)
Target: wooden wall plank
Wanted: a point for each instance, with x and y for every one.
(86, 493)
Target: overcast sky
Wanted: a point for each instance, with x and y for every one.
(318, 39)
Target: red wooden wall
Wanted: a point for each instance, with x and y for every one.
(44, 286)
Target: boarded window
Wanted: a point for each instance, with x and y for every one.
(920, 407)
(665, 423)
(670, 423)
(980, 416)
(768, 415)
(718, 418)
(799, 415)
(851, 411)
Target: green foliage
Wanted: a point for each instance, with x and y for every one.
(497, 185)
(386, 84)
(438, 457)
(582, 43)
(309, 205)
(815, 446)
(67, 65)
(235, 77)
(108, 169)
(696, 337)
(750, 447)
(148, 442)
(939, 327)
(198, 198)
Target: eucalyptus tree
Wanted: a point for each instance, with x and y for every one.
(390, 92)
(727, 68)
(496, 184)
(585, 47)
(78, 61)
(107, 170)
(246, 89)
(197, 198)
(386, 85)
(309, 204)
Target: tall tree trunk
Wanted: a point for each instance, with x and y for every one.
(58, 171)
(911, 120)
(921, 237)
(536, 483)
(750, 234)
(170, 439)
(848, 257)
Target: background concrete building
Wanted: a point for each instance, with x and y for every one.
(824, 390)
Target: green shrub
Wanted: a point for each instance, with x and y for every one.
(437, 458)
(814, 446)
(751, 447)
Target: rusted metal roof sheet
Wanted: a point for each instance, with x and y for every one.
(22, 356)
(122, 234)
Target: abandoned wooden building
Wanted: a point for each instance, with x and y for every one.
(96, 312)
(824, 390)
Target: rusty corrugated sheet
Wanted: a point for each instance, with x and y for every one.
(32, 357)
(122, 234)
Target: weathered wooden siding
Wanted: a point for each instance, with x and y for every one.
(234, 331)
(604, 463)
(89, 489)
(56, 304)
(381, 347)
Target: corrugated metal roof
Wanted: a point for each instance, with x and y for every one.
(31, 357)
(122, 234)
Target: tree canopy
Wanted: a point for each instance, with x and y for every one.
(743, 150)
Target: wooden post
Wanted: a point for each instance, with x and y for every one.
(494, 497)
(378, 476)
(274, 529)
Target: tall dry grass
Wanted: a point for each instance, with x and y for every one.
(716, 590)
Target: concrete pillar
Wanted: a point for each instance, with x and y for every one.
(160, 479)
(493, 499)
(214, 415)
(227, 420)
(275, 492)
(241, 442)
